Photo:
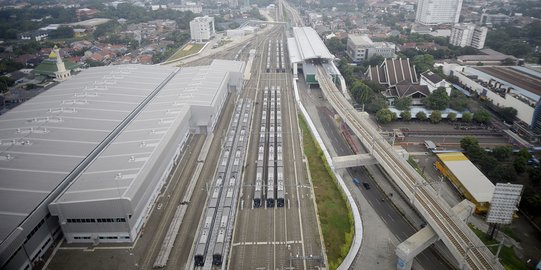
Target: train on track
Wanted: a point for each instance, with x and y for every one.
(270, 170)
(215, 232)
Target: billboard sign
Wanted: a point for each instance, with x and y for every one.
(504, 203)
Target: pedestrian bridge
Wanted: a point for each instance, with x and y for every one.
(342, 162)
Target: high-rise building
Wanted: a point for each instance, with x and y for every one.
(202, 28)
(432, 12)
(468, 35)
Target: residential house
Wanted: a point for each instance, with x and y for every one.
(34, 35)
(433, 81)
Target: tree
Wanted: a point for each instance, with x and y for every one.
(384, 116)
(360, 92)
(377, 103)
(375, 60)
(524, 153)
(468, 143)
(458, 101)
(481, 116)
(534, 174)
(437, 100)
(502, 153)
(335, 45)
(254, 13)
(403, 103)
(421, 115)
(531, 202)
(103, 29)
(520, 164)
(406, 115)
(467, 117)
(508, 114)
(5, 83)
(435, 116)
(423, 62)
(502, 173)
(62, 32)
(8, 65)
(376, 87)
(451, 116)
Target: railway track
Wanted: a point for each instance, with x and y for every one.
(268, 237)
(465, 246)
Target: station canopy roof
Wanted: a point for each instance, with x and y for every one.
(477, 184)
(306, 45)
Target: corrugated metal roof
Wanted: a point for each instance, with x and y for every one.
(43, 139)
(121, 168)
(309, 44)
(294, 54)
(477, 184)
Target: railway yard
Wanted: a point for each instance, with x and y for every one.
(271, 235)
(242, 198)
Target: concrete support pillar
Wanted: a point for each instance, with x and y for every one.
(407, 250)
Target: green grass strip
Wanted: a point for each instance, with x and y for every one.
(334, 212)
(507, 255)
(182, 52)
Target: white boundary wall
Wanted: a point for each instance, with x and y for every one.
(358, 235)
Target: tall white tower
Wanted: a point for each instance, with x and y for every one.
(433, 12)
(61, 74)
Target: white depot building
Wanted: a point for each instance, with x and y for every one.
(468, 34)
(361, 47)
(433, 12)
(202, 29)
(90, 155)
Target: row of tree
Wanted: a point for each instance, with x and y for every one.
(15, 21)
(385, 116)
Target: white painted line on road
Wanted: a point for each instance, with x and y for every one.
(390, 217)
